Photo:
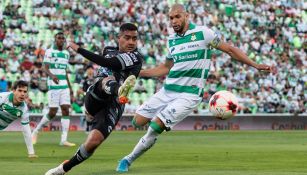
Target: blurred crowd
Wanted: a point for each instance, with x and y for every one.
(270, 32)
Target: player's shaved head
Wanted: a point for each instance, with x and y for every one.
(178, 8)
(179, 18)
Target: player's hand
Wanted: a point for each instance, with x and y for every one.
(55, 79)
(73, 45)
(32, 156)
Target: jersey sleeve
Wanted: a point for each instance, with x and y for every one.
(213, 38)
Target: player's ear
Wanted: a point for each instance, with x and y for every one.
(187, 15)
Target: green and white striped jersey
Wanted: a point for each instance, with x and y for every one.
(58, 62)
(191, 54)
(9, 112)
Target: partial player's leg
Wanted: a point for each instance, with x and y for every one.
(94, 139)
(53, 102)
(65, 122)
(173, 113)
(45, 119)
(156, 127)
(65, 118)
(143, 115)
(103, 124)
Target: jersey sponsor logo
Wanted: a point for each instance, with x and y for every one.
(135, 59)
(180, 57)
(193, 46)
(127, 59)
(190, 46)
(172, 49)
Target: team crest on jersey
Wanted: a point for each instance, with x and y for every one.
(193, 37)
(18, 114)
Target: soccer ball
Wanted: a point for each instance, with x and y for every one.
(223, 105)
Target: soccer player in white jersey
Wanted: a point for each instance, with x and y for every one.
(56, 61)
(12, 107)
(186, 67)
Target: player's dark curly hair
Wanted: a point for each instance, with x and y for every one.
(20, 83)
(128, 27)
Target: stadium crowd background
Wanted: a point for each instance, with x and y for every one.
(271, 32)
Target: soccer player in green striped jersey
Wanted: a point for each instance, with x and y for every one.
(186, 67)
(56, 61)
(13, 107)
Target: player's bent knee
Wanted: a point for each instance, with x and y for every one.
(139, 121)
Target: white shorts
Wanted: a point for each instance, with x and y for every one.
(171, 107)
(58, 97)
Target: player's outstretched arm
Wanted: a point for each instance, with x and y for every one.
(98, 59)
(239, 55)
(161, 70)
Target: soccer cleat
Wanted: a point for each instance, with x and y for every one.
(123, 166)
(68, 144)
(125, 89)
(57, 170)
(34, 138)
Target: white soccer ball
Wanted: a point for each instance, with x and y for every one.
(223, 105)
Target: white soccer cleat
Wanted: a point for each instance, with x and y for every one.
(125, 89)
(68, 144)
(34, 137)
(56, 171)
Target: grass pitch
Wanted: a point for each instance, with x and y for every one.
(175, 153)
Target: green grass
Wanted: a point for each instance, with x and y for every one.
(176, 153)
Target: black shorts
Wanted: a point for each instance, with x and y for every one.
(106, 113)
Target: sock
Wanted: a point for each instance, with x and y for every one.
(43, 121)
(145, 143)
(65, 127)
(79, 157)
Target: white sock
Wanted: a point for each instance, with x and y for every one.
(65, 121)
(145, 143)
(43, 121)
